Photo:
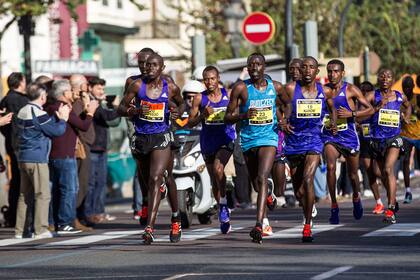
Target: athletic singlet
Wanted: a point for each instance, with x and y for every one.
(214, 132)
(262, 129)
(346, 128)
(157, 119)
(412, 129)
(386, 123)
(306, 120)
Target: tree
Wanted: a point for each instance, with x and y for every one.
(15, 9)
(386, 27)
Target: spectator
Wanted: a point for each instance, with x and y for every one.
(35, 128)
(12, 103)
(95, 200)
(63, 166)
(79, 87)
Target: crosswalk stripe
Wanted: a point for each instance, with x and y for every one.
(296, 232)
(201, 233)
(92, 238)
(396, 230)
(14, 241)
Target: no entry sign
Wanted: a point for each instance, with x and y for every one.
(258, 28)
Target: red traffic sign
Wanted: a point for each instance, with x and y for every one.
(258, 28)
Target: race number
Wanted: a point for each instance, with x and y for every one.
(366, 130)
(390, 118)
(156, 112)
(217, 117)
(308, 108)
(263, 116)
(341, 123)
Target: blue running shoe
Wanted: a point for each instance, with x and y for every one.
(335, 219)
(357, 209)
(224, 218)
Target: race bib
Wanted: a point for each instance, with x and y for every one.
(366, 130)
(156, 112)
(390, 118)
(341, 123)
(264, 116)
(217, 117)
(308, 108)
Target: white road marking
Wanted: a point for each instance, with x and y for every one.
(296, 232)
(257, 28)
(93, 238)
(396, 230)
(331, 273)
(200, 233)
(14, 241)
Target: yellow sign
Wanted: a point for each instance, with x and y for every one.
(264, 116)
(413, 118)
(390, 118)
(308, 108)
(217, 117)
(156, 112)
(341, 123)
(366, 130)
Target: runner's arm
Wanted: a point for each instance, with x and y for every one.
(176, 98)
(370, 98)
(126, 108)
(232, 113)
(195, 117)
(406, 108)
(331, 109)
(358, 95)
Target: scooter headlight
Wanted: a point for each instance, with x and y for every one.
(189, 161)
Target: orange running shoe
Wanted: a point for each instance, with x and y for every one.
(267, 230)
(176, 231)
(307, 234)
(379, 209)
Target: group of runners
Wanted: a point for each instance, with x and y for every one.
(297, 122)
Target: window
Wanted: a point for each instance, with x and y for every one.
(105, 2)
(119, 4)
(159, 29)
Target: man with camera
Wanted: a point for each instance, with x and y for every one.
(95, 199)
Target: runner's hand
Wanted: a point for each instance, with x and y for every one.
(343, 113)
(333, 127)
(252, 112)
(174, 113)
(208, 110)
(144, 109)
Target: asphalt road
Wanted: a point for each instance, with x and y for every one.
(365, 249)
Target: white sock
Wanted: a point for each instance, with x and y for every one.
(408, 190)
(266, 222)
(379, 201)
(223, 200)
(175, 214)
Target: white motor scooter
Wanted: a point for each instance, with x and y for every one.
(192, 179)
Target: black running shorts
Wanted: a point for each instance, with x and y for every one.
(380, 146)
(143, 144)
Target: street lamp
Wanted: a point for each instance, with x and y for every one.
(234, 15)
(343, 18)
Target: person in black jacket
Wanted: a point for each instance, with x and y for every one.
(14, 100)
(95, 199)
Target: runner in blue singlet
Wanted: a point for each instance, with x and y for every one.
(366, 160)
(391, 107)
(258, 100)
(279, 166)
(216, 137)
(346, 142)
(156, 101)
(140, 211)
(303, 139)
